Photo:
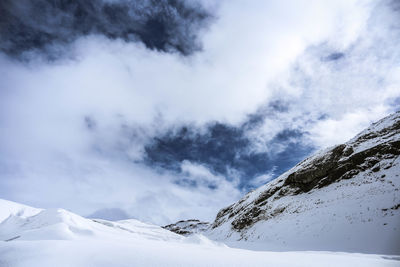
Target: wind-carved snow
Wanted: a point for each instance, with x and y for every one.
(60, 224)
(8, 208)
(57, 237)
(344, 198)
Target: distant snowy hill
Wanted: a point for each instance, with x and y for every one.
(344, 198)
(26, 223)
(56, 237)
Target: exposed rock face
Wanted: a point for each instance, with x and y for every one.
(364, 171)
(188, 227)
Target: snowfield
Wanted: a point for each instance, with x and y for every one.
(152, 253)
(57, 237)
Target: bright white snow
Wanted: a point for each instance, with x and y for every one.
(57, 237)
(8, 208)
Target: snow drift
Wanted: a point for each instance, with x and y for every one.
(57, 237)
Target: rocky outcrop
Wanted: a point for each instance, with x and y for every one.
(188, 227)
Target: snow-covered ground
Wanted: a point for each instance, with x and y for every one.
(57, 237)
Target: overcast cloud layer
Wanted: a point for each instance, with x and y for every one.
(49, 26)
(172, 110)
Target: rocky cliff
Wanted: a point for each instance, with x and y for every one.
(188, 227)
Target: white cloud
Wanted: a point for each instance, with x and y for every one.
(261, 179)
(86, 184)
(205, 178)
(335, 131)
(333, 100)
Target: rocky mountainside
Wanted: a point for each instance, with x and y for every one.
(188, 227)
(344, 198)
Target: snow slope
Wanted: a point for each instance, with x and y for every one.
(344, 198)
(8, 208)
(60, 238)
(60, 224)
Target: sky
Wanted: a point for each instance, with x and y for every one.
(170, 110)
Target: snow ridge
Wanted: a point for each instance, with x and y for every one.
(57, 237)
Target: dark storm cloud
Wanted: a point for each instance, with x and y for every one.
(223, 148)
(47, 25)
(217, 146)
(257, 118)
(334, 56)
(90, 123)
(294, 151)
(395, 5)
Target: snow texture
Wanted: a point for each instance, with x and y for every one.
(57, 237)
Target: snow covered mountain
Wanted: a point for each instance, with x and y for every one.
(188, 227)
(60, 224)
(56, 237)
(344, 198)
